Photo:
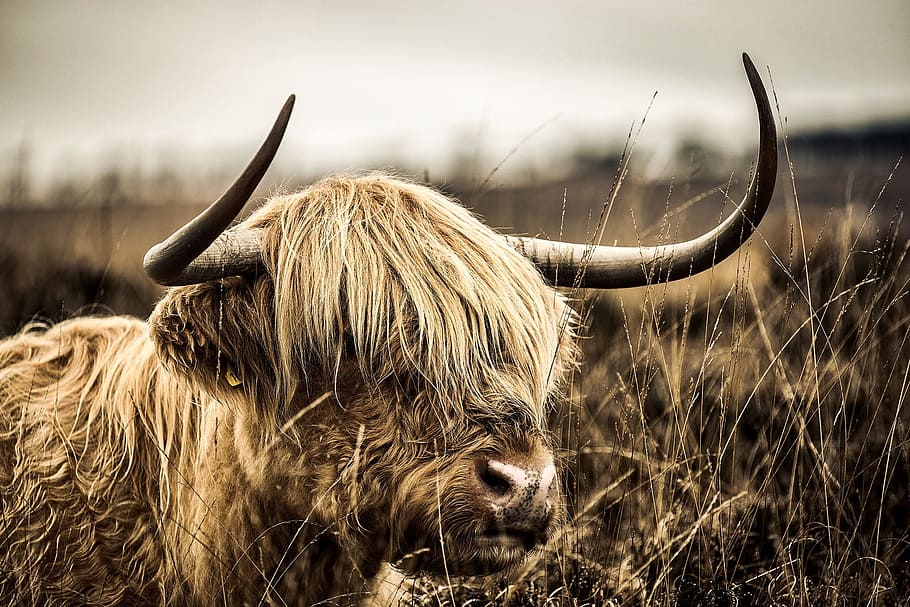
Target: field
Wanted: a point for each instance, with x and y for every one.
(738, 438)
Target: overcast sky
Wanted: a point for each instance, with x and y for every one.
(409, 81)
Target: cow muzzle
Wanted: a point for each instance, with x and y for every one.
(521, 492)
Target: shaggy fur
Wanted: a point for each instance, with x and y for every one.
(391, 342)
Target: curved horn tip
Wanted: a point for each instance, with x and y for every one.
(751, 70)
(289, 104)
(747, 61)
(284, 116)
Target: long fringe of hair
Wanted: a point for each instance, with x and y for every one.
(408, 283)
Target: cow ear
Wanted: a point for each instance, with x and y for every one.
(212, 333)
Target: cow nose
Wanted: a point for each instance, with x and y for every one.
(519, 492)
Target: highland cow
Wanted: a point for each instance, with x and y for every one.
(358, 373)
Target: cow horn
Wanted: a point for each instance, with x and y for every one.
(200, 251)
(608, 267)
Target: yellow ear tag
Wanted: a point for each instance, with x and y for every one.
(231, 378)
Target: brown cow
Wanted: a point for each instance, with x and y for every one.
(356, 374)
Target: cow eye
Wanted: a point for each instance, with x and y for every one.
(512, 416)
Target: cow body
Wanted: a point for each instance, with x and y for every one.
(110, 495)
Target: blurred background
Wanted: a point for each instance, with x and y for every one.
(119, 119)
(185, 90)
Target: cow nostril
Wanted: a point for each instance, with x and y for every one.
(497, 483)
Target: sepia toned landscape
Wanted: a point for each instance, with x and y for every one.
(489, 332)
(735, 438)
